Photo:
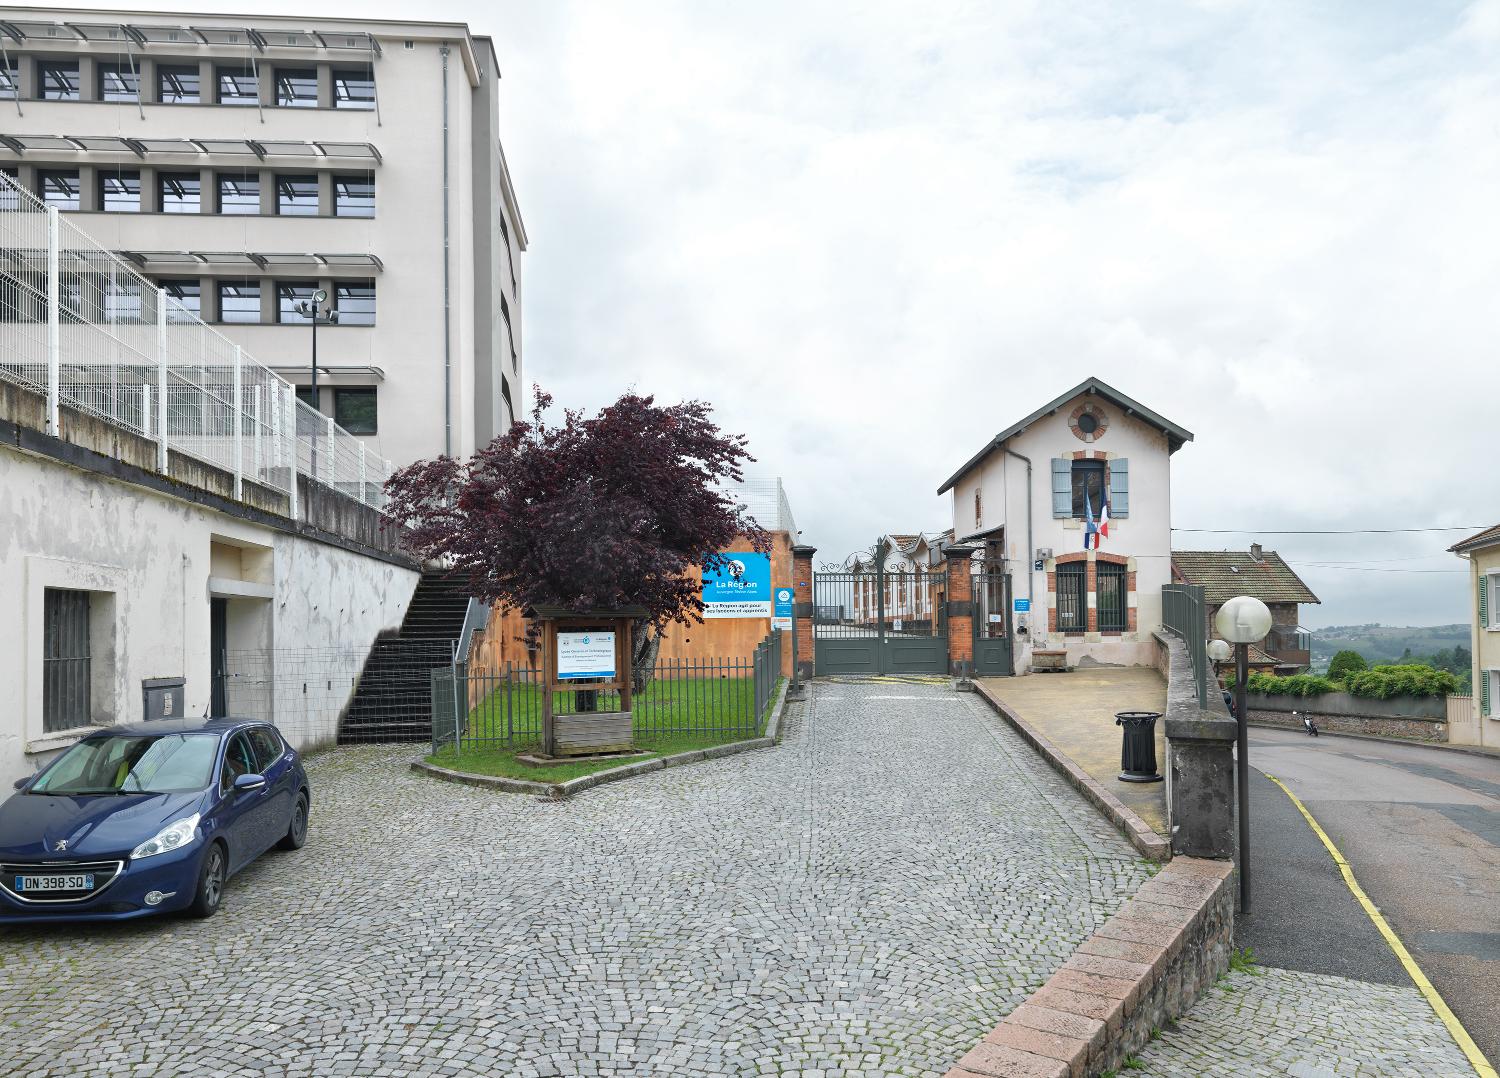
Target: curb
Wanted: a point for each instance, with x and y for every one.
(1145, 966)
(560, 791)
(1467, 750)
(1136, 831)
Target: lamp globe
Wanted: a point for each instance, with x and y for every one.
(1243, 620)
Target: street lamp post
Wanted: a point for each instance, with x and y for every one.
(1243, 620)
(328, 317)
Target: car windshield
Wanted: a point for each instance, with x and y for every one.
(169, 763)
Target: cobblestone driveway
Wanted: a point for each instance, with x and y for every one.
(868, 898)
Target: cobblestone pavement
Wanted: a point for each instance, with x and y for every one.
(1306, 1025)
(868, 898)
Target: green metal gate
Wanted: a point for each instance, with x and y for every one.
(880, 622)
(993, 638)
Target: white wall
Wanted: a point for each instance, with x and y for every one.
(154, 562)
(1145, 536)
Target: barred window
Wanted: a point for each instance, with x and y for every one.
(1111, 597)
(1072, 597)
(66, 663)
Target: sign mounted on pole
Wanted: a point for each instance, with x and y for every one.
(739, 588)
(781, 618)
(585, 655)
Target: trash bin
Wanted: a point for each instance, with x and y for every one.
(1138, 747)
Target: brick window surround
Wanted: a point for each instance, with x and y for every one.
(1091, 588)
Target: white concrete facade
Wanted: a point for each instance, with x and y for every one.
(994, 508)
(152, 565)
(434, 84)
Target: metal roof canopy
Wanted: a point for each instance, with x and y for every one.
(248, 259)
(1176, 436)
(341, 151)
(151, 34)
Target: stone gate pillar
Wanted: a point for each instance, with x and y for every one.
(960, 609)
(802, 608)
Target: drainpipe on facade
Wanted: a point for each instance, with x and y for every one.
(1030, 547)
(447, 316)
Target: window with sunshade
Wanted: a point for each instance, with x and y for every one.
(120, 192)
(177, 84)
(119, 82)
(57, 80)
(297, 87)
(181, 192)
(60, 188)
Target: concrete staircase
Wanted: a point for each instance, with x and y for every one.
(393, 701)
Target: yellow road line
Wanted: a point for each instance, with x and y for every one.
(1445, 1015)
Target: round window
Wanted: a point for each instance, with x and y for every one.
(1088, 423)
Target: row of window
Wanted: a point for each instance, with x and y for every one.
(236, 301)
(119, 191)
(1110, 597)
(240, 302)
(60, 79)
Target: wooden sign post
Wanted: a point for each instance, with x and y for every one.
(586, 652)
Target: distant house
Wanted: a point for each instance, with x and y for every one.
(1264, 575)
(1482, 551)
(1026, 500)
(909, 600)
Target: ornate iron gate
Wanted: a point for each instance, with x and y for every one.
(993, 638)
(880, 622)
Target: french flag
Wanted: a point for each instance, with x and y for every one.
(1093, 532)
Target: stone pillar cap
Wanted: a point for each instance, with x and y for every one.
(801, 551)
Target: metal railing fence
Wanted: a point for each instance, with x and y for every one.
(82, 327)
(1182, 613)
(709, 697)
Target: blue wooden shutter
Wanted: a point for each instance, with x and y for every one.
(1062, 487)
(1119, 487)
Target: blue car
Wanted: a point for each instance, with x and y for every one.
(148, 818)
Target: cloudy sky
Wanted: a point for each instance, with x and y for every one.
(872, 234)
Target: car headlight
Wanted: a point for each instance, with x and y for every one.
(168, 838)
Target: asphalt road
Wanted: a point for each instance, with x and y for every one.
(1421, 829)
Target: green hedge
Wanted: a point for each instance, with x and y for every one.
(1346, 664)
(1384, 682)
(1296, 685)
(1379, 683)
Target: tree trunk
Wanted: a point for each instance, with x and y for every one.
(643, 662)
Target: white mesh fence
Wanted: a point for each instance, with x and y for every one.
(117, 347)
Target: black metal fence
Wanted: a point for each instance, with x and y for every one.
(1182, 613)
(686, 698)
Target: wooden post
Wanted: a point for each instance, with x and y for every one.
(624, 667)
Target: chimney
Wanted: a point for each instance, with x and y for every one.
(1255, 553)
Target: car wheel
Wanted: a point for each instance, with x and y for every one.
(211, 878)
(296, 833)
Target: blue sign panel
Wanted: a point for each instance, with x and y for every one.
(782, 603)
(1023, 606)
(739, 588)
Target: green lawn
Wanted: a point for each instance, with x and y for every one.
(673, 715)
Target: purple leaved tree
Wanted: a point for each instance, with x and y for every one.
(611, 511)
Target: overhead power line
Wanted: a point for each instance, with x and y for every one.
(1332, 531)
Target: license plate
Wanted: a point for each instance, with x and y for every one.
(74, 882)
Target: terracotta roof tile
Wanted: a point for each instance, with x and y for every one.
(1227, 573)
(1488, 537)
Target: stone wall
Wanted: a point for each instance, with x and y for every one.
(1200, 766)
(1409, 729)
(1412, 718)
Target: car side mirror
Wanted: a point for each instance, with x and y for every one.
(23, 782)
(246, 783)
